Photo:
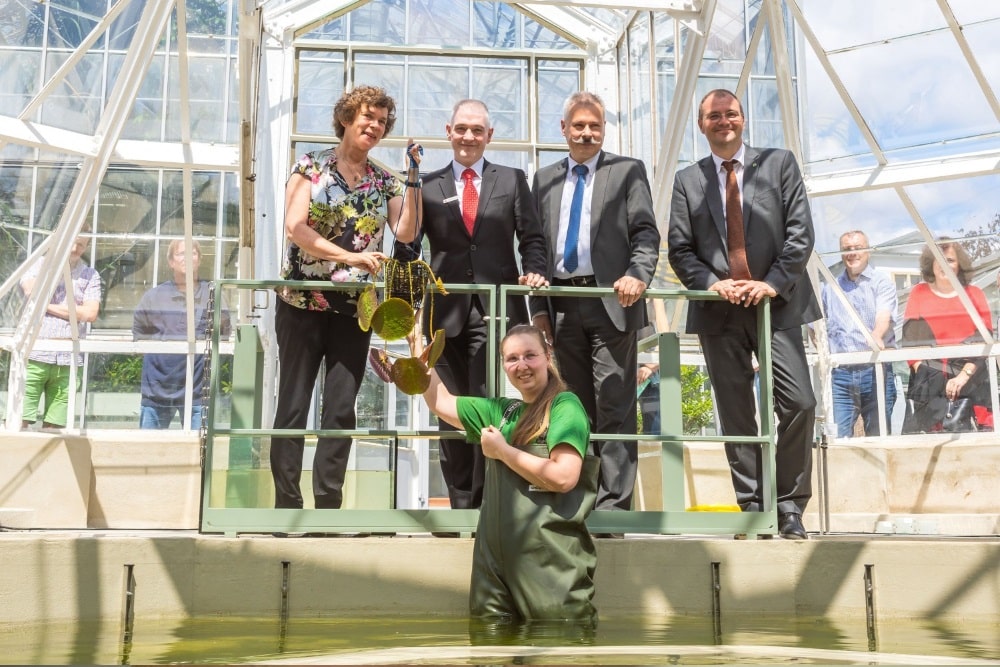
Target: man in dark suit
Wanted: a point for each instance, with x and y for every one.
(603, 201)
(778, 231)
(471, 233)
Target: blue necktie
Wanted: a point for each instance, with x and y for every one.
(570, 259)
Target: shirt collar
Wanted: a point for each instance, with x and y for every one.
(739, 157)
(590, 164)
(866, 274)
(477, 167)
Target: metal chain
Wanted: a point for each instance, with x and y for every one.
(206, 375)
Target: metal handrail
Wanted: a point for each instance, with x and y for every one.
(674, 519)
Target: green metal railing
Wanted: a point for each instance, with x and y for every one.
(247, 487)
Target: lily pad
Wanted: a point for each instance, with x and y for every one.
(411, 376)
(380, 364)
(393, 319)
(367, 305)
(433, 351)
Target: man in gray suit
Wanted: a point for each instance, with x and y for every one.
(472, 212)
(778, 231)
(597, 214)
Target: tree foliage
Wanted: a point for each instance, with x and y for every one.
(982, 241)
(696, 400)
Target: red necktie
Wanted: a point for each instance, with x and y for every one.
(738, 269)
(470, 200)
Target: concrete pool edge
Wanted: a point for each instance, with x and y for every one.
(56, 576)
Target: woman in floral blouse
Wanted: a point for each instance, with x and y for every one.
(337, 204)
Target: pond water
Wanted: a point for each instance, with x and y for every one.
(616, 641)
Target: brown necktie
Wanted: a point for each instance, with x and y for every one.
(738, 269)
(470, 200)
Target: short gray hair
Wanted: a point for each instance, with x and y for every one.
(582, 98)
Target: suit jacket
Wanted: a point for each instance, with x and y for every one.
(487, 257)
(778, 230)
(624, 239)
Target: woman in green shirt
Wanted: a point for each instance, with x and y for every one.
(533, 556)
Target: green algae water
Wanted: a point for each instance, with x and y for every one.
(634, 641)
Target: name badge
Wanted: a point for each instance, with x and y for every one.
(450, 200)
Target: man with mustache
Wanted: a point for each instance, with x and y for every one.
(597, 213)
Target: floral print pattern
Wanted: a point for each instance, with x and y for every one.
(352, 219)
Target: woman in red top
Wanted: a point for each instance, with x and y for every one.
(943, 394)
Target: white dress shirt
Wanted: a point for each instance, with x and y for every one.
(584, 266)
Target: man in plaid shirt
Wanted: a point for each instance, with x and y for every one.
(48, 372)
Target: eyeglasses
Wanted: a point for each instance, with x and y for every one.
(716, 116)
(529, 358)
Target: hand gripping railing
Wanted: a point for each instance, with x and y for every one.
(225, 511)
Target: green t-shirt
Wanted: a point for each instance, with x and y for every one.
(568, 423)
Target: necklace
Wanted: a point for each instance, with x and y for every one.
(356, 173)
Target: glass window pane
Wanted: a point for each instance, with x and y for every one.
(321, 82)
(52, 190)
(919, 114)
(21, 23)
(126, 203)
(205, 195)
(557, 80)
(77, 102)
(127, 271)
(207, 90)
(231, 206)
(385, 73)
(229, 261)
(19, 72)
(13, 253)
(537, 36)
(208, 26)
(122, 30)
(335, 30)
(501, 85)
(145, 122)
(495, 25)
(380, 21)
(764, 116)
(727, 49)
(432, 92)
(113, 391)
(440, 22)
(69, 26)
(640, 107)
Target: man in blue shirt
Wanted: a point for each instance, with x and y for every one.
(162, 315)
(872, 295)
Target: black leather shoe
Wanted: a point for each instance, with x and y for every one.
(608, 536)
(790, 527)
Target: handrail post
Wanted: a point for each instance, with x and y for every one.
(671, 421)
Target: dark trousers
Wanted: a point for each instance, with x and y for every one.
(306, 338)
(730, 367)
(462, 369)
(598, 363)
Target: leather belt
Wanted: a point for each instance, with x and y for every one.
(575, 281)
